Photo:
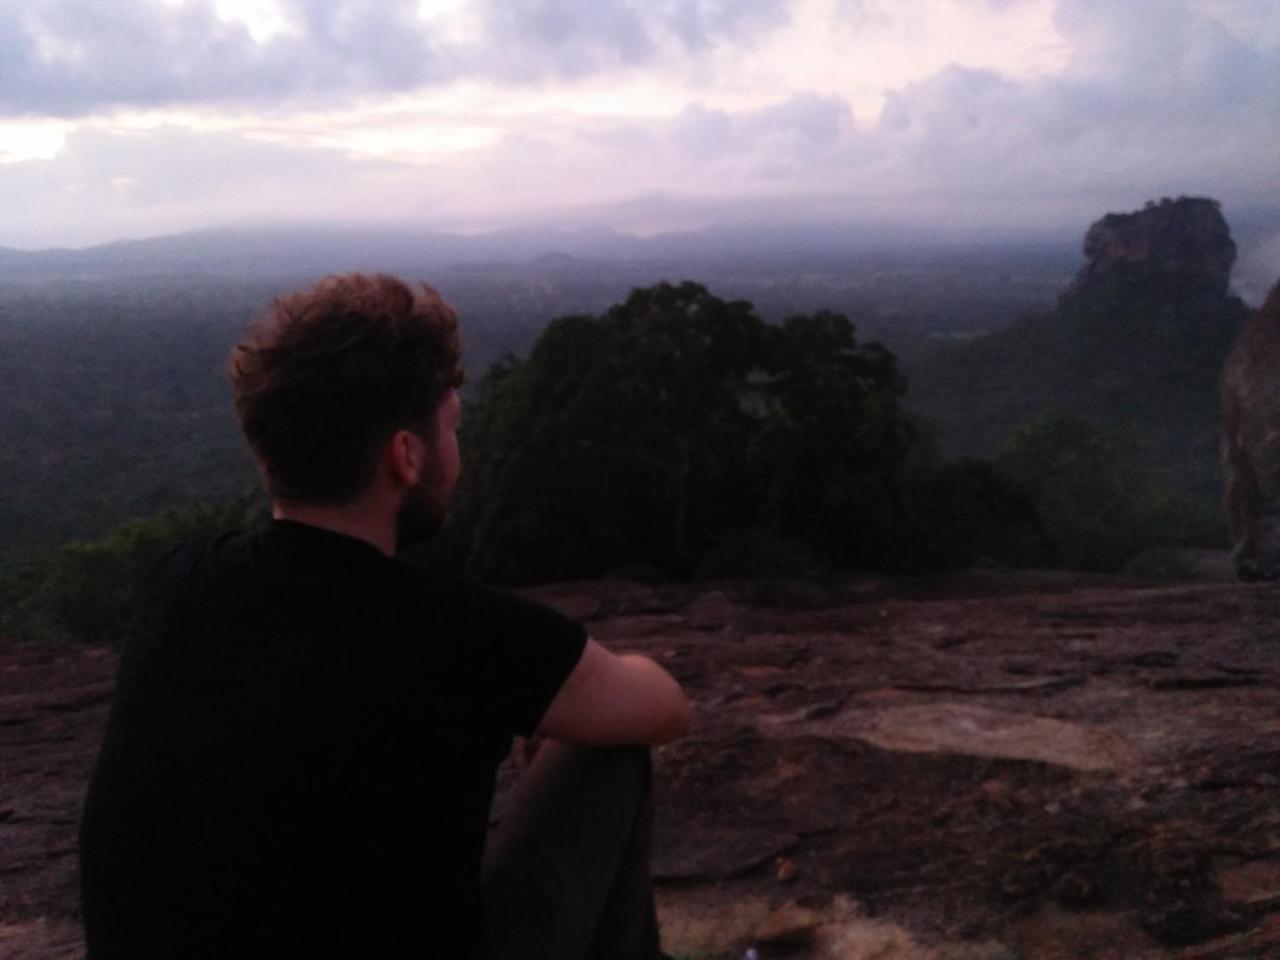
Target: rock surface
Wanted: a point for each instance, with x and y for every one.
(1251, 443)
(1185, 240)
(985, 766)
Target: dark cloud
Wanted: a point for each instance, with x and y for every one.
(531, 39)
(526, 39)
(71, 57)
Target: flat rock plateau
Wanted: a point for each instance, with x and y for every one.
(982, 766)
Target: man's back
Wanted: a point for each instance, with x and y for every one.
(301, 753)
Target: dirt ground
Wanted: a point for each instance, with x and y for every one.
(983, 766)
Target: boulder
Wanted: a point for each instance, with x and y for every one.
(1251, 444)
(1182, 565)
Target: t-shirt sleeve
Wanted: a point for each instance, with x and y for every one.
(527, 650)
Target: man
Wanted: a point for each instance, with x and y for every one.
(301, 752)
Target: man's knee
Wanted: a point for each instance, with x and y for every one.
(567, 782)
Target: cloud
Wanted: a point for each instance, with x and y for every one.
(107, 184)
(1134, 113)
(70, 58)
(104, 186)
(1258, 268)
(1186, 108)
(794, 146)
(1192, 61)
(800, 142)
(532, 39)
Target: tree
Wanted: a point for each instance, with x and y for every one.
(1095, 507)
(1087, 495)
(650, 433)
(966, 511)
(87, 589)
(832, 442)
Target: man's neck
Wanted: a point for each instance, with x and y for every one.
(359, 520)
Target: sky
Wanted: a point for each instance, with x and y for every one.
(135, 118)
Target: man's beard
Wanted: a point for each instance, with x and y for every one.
(420, 516)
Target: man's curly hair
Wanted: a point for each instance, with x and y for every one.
(325, 378)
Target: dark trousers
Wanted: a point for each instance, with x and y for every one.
(566, 872)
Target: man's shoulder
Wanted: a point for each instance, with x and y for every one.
(175, 569)
(456, 591)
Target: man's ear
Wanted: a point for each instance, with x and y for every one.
(406, 457)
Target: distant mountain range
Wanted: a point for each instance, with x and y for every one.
(311, 250)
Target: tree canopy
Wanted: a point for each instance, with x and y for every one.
(1095, 507)
(649, 434)
(87, 589)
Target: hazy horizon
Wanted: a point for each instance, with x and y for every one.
(830, 248)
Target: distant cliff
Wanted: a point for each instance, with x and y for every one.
(1135, 344)
(1184, 241)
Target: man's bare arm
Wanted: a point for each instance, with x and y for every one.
(612, 699)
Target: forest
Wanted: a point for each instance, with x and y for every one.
(673, 434)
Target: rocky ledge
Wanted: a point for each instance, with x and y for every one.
(985, 766)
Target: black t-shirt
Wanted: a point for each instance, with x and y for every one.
(301, 752)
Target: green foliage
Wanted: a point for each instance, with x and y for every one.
(1095, 508)
(1084, 492)
(86, 590)
(115, 405)
(967, 511)
(674, 434)
(648, 434)
(759, 553)
(1134, 353)
(829, 452)
(1175, 519)
(21, 593)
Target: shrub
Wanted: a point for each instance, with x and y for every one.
(759, 553)
(86, 590)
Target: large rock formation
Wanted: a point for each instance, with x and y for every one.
(1135, 345)
(1158, 279)
(1251, 443)
(1184, 241)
